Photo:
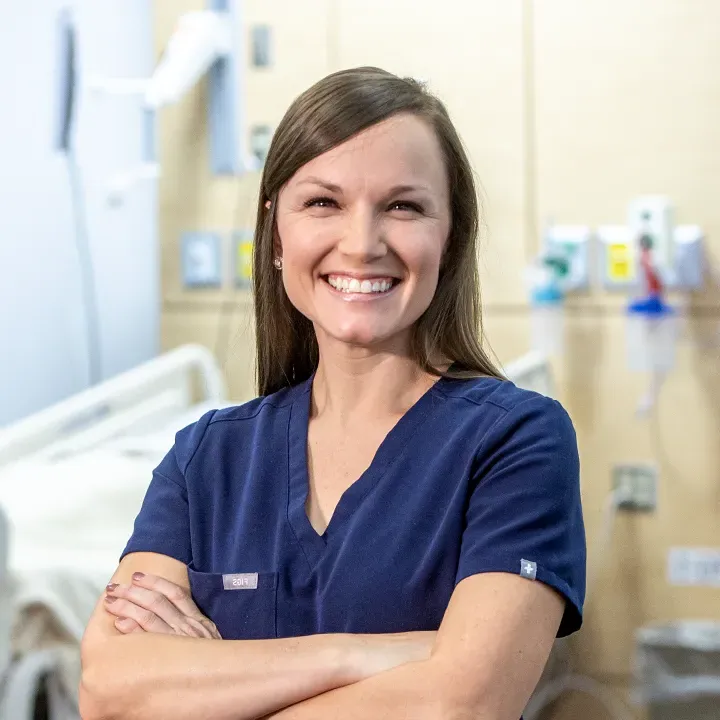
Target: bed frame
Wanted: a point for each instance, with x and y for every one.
(126, 403)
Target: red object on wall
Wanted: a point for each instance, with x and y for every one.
(652, 279)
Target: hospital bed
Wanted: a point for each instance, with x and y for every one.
(72, 478)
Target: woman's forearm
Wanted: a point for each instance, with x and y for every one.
(415, 691)
(143, 675)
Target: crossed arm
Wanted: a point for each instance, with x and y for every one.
(486, 660)
(489, 654)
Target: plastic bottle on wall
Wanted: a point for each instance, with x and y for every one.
(547, 313)
(651, 328)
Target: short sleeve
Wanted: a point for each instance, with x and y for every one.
(524, 513)
(163, 523)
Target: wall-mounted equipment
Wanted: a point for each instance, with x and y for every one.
(204, 43)
(260, 138)
(650, 220)
(547, 311)
(561, 268)
(677, 250)
(569, 245)
(66, 96)
(66, 78)
(261, 46)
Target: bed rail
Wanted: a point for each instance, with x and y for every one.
(138, 398)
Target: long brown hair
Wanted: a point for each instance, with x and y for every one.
(330, 112)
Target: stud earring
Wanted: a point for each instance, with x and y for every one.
(278, 263)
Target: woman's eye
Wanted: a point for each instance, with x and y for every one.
(406, 206)
(321, 202)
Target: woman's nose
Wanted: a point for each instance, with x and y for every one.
(363, 237)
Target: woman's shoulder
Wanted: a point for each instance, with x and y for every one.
(504, 394)
(259, 406)
(233, 425)
(491, 407)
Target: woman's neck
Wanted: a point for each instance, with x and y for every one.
(371, 387)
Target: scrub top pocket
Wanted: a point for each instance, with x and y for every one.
(242, 605)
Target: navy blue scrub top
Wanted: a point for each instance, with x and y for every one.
(478, 476)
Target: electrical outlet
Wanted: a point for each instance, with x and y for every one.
(635, 487)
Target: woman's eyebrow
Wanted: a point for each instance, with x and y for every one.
(322, 183)
(394, 190)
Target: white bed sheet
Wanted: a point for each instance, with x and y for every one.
(69, 520)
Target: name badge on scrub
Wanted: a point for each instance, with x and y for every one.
(240, 581)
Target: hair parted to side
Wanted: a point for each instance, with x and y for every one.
(329, 113)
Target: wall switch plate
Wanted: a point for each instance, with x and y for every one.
(201, 260)
(635, 486)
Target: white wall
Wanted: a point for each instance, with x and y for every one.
(42, 329)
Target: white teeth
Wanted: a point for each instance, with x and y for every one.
(353, 285)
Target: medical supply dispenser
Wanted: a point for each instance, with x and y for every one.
(547, 311)
(651, 335)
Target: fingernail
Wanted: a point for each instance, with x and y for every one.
(111, 586)
(138, 576)
(109, 599)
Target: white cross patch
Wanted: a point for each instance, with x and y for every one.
(528, 569)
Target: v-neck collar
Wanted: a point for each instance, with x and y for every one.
(390, 451)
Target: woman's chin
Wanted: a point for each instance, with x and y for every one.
(360, 337)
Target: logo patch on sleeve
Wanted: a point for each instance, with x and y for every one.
(528, 569)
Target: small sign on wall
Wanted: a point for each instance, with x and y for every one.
(694, 566)
(243, 248)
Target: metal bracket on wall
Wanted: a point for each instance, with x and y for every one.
(226, 86)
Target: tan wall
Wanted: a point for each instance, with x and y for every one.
(569, 109)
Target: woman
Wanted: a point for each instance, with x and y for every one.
(392, 530)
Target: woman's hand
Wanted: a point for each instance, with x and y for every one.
(155, 605)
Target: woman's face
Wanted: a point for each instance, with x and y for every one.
(362, 230)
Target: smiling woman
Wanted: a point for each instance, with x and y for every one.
(390, 529)
(371, 164)
(383, 219)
